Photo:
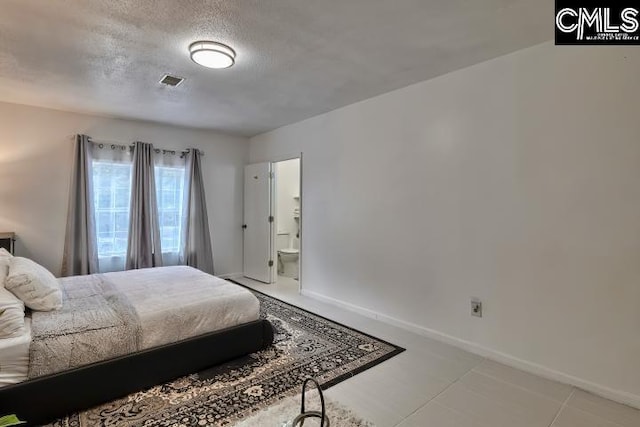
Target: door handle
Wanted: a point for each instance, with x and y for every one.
(244, 226)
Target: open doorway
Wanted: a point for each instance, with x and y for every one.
(286, 203)
(273, 225)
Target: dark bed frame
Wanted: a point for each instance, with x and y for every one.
(44, 399)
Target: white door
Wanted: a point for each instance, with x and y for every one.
(258, 222)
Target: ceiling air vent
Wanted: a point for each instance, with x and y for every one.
(171, 80)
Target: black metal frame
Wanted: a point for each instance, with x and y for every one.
(44, 399)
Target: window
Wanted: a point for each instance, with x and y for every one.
(112, 187)
(169, 195)
(112, 194)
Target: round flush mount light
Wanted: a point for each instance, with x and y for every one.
(212, 54)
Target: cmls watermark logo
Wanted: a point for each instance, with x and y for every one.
(598, 22)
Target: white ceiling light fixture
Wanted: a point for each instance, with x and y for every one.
(212, 54)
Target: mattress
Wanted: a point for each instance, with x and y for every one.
(14, 357)
(175, 303)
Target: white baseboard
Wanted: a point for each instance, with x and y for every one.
(472, 347)
(230, 275)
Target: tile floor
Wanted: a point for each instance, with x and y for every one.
(433, 384)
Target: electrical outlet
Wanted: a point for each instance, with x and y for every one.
(476, 307)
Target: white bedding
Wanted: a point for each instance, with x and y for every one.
(14, 357)
(114, 314)
(191, 301)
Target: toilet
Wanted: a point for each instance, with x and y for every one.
(287, 256)
(288, 262)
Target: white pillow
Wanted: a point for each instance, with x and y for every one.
(4, 271)
(5, 253)
(11, 315)
(34, 285)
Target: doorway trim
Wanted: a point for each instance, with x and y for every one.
(278, 159)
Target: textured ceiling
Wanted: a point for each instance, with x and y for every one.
(295, 58)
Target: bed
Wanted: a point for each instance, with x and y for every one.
(117, 333)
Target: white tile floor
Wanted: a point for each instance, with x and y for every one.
(436, 385)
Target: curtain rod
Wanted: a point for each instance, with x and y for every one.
(114, 145)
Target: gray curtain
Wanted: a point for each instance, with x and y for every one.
(144, 248)
(196, 239)
(80, 243)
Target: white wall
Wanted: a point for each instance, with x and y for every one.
(36, 151)
(287, 186)
(517, 181)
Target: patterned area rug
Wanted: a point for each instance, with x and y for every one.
(305, 345)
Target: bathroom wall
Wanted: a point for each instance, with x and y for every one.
(287, 186)
(516, 181)
(36, 151)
